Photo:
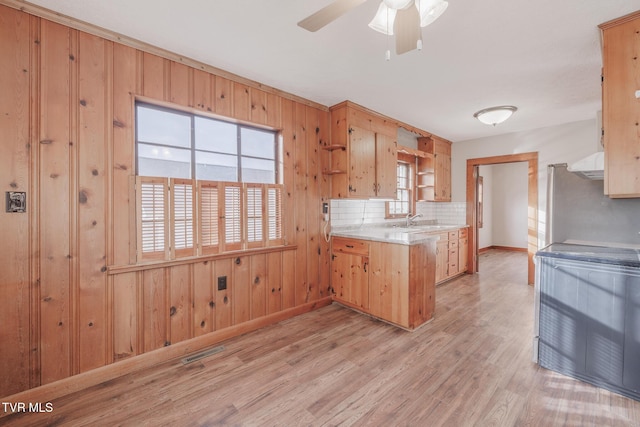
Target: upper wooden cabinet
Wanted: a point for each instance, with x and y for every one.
(621, 106)
(440, 149)
(363, 153)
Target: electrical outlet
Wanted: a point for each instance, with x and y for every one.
(222, 283)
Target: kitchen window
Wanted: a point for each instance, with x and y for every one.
(204, 185)
(405, 200)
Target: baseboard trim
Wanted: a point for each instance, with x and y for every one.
(63, 387)
(502, 248)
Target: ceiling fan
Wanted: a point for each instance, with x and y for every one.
(404, 18)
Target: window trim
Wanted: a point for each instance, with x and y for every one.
(192, 114)
(409, 160)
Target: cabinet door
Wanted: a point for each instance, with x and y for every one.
(386, 166)
(463, 247)
(350, 279)
(442, 177)
(362, 162)
(389, 282)
(621, 109)
(442, 259)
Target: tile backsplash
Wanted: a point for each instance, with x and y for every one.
(346, 213)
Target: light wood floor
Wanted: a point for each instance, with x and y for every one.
(470, 366)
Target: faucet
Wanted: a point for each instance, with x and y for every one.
(411, 218)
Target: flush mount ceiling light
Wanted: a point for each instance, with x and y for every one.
(494, 115)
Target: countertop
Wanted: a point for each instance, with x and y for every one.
(413, 235)
(598, 254)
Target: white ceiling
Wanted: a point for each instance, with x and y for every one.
(541, 56)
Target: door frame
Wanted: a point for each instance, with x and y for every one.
(532, 211)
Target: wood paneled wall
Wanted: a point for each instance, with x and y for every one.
(69, 304)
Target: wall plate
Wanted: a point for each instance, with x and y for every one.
(16, 201)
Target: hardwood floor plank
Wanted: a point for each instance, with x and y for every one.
(470, 366)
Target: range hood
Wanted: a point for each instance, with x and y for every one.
(591, 167)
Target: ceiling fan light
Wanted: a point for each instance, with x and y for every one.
(383, 21)
(430, 10)
(495, 115)
(397, 4)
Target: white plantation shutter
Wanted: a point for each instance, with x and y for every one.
(232, 216)
(274, 214)
(209, 216)
(152, 207)
(183, 216)
(254, 213)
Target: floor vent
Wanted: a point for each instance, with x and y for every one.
(202, 354)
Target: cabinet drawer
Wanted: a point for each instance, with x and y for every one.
(463, 233)
(443, 237)
(350, 246)
(453, 235)
(453, 244)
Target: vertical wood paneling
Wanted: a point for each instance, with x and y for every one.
(289, 270)
(180, 303)
(203, 299)
(274, 282)
(125, 75)
(55, 308)
(91, 228)
(288, 171)
(258, 286)
(241, 101)
(325, 196)
(273, 110)
(181, 84)
(300, 204)
(155, 309)
(258, 106)
(202, 90)
(223, 300)
(241, 291)
(153, 79)
(312, 204)
(72, 95)
(223, 99)
(14, 176)
(125, 316)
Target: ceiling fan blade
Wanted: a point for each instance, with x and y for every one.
(407, 29)
(328, 14)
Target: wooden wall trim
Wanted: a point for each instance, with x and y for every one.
(86, 27)
(120, 269)
(96, 376)
(532, 159)
(383, 117)
(614, 22)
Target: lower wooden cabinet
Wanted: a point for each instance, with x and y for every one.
(451, 254)
(393, 282)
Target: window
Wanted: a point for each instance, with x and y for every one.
(177, 144)
(204, 185)
(404, 203)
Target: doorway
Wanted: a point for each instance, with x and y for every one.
(532, 202)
